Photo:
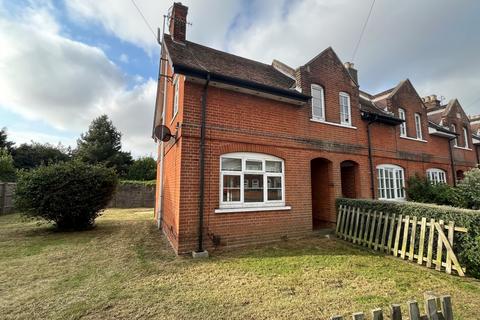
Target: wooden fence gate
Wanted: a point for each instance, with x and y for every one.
(403, 236)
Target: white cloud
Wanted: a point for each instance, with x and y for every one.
(436, 46)
(64, 83)
(210, 18)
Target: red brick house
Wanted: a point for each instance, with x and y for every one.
(260, 152)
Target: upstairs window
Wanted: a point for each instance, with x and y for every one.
(418, 126)
(175, 97)
(403, 126)
(454, 129)
(345, 110)
(251, 180)
(391, 182)
(465, 137)
(318, 102)
(436, 176)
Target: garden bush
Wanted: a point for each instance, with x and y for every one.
(469, 189)
(70, 194)
(8, 173)
(467, 245)
(420, 189)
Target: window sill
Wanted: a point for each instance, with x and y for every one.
(414, 139)
(254, 209)
(462, 148)
(334, 124)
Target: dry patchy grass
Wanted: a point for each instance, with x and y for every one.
(124, 269)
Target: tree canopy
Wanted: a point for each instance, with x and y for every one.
(29, 156)
(142, 169)
(102, 144)
(4, 143)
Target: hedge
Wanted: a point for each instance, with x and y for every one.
(467, 245)
(138, 182)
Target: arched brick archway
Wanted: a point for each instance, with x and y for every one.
(322, 193)
(459, 175)
(350, 178)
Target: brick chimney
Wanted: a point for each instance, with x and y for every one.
(178, 22)
(353, 72)
(431, 101)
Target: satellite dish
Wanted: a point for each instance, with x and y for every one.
(163, 133)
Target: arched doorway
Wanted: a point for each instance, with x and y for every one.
(323, 214)
(460, 175)
(350, 178)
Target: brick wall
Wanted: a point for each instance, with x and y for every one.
(239, 122)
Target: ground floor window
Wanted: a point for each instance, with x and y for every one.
(251, 180)
(391, 182)
(436, 176)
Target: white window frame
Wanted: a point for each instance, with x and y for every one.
(345, 115)
(403, 125)
(318, 103)
(391, 182)
(418, 126)
(246, 156)
(435, 175)
(454, 129)
(175, 96)
(465, 136)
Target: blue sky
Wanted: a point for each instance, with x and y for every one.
(65, 62)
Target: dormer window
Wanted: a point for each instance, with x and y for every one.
(403, 126)
(418, 126)
(318, 102)
(345, 110)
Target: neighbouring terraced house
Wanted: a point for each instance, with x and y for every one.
(261, 151)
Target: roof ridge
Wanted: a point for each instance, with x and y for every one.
(224, 52)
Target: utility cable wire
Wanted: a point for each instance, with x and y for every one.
(363, 31)
(474, 102)
(145, 20)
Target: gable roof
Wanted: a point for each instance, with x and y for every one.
(330, 50)
(201, 60)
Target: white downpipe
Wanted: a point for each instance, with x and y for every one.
(160, 198)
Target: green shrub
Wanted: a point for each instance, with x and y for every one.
(142, 169)
(138, 182)
(469, 189)
(8, 173)
(70, 194)
(420, 189)
(467, 246)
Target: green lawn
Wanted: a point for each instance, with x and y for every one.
(124, 269)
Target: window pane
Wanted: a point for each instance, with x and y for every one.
(317, 102)
(274, 188)
(254, 165)
(253, 188)
(231, 188)
(231, 164)
(273, 166)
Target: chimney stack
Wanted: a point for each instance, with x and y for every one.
(178, 22)
(353, 72)
(431, 101)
